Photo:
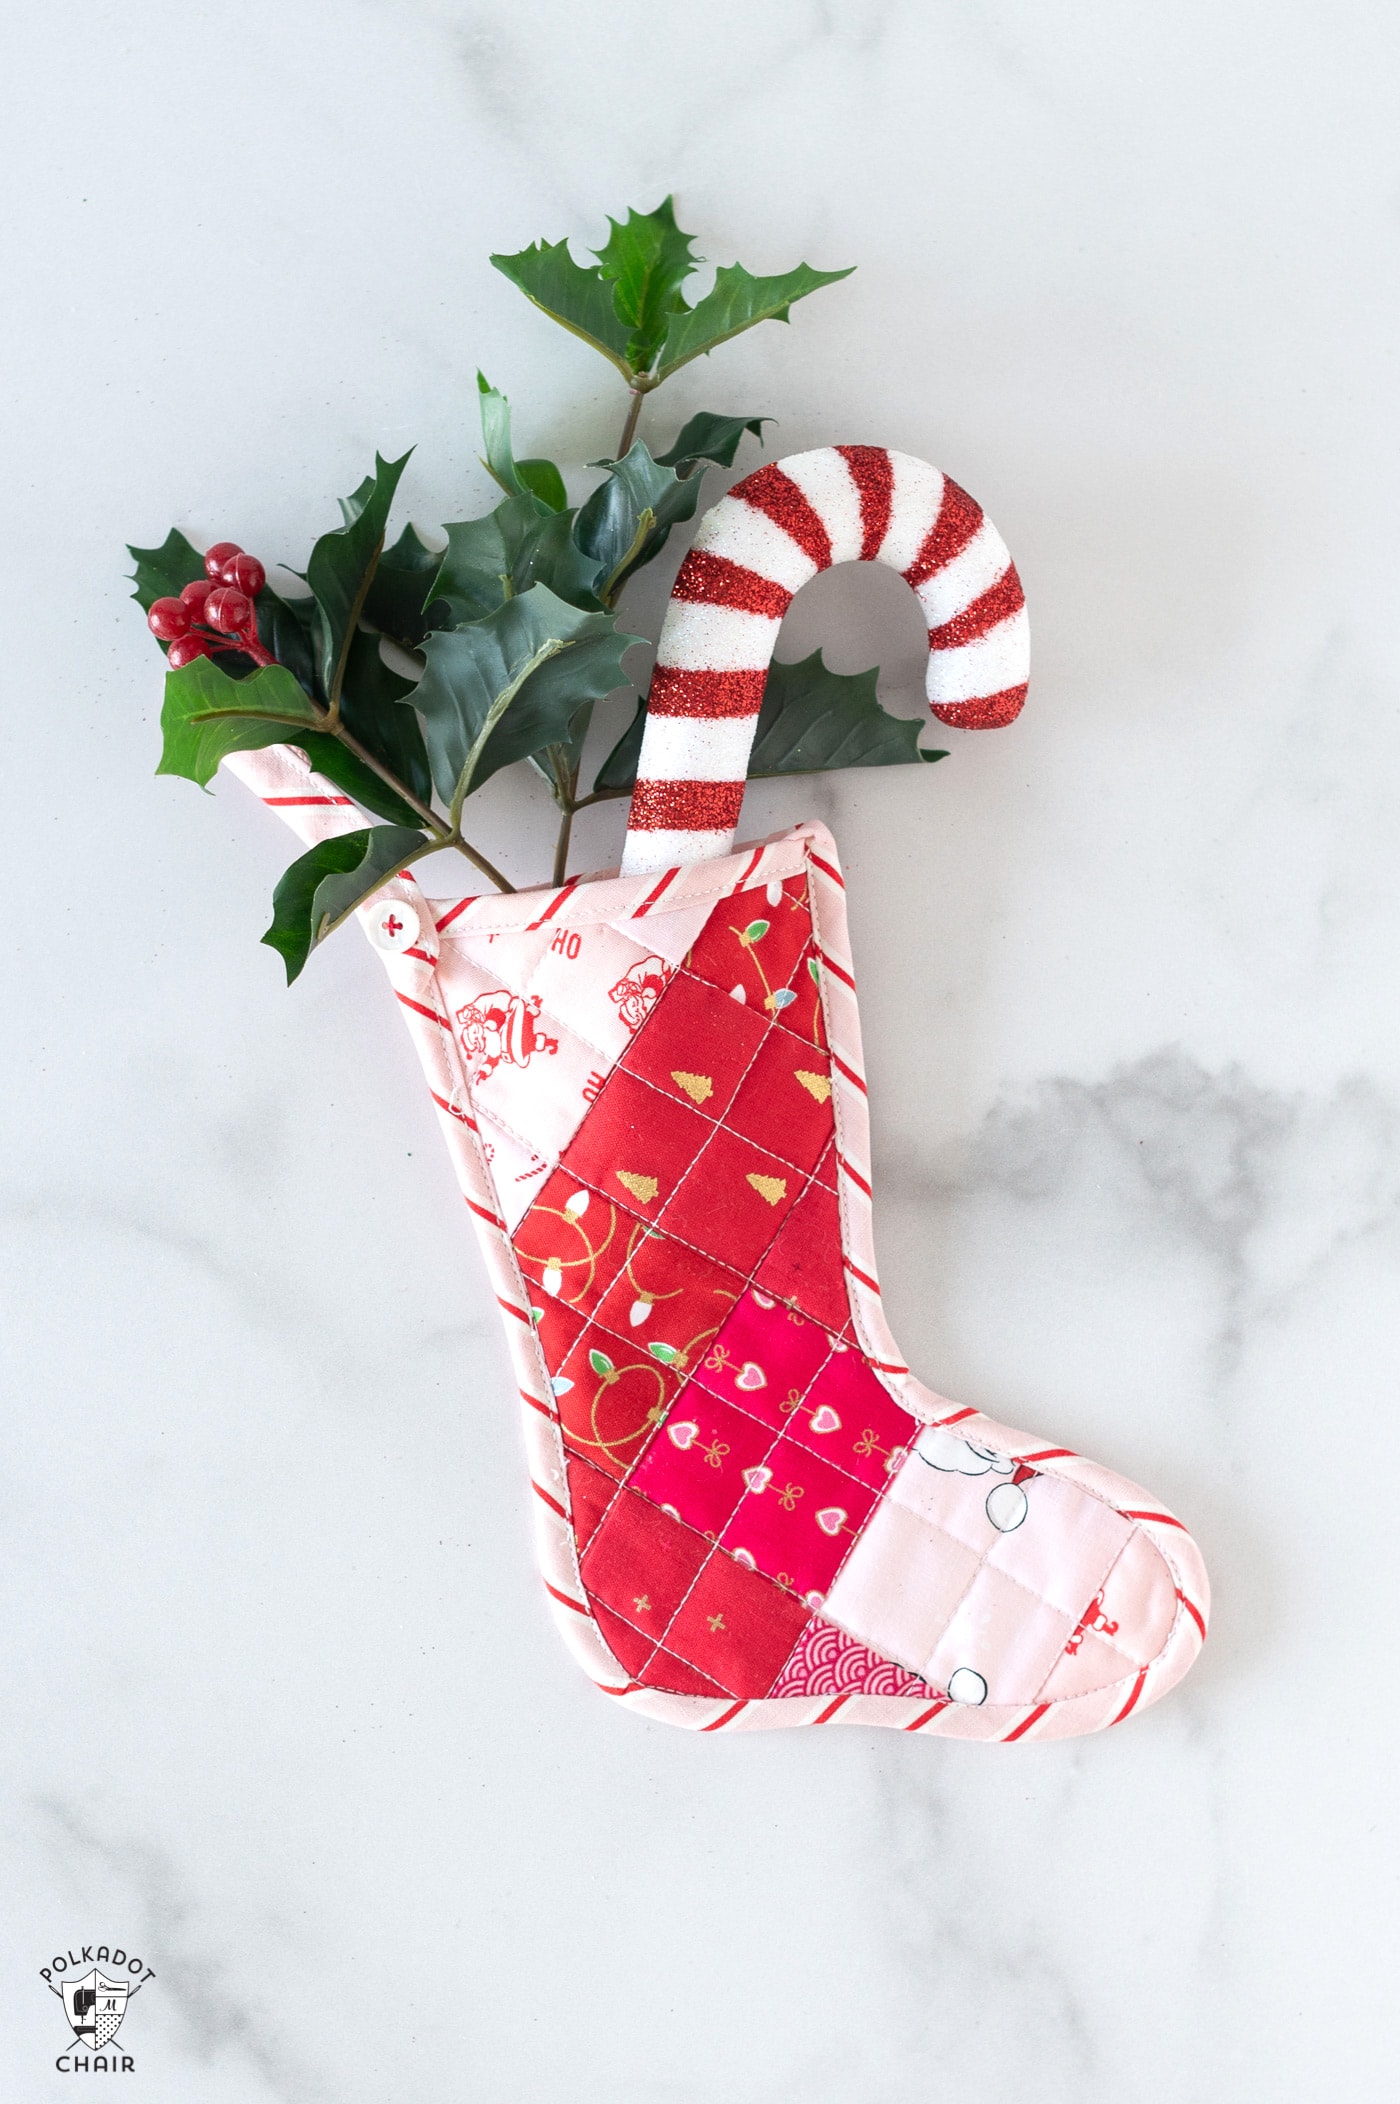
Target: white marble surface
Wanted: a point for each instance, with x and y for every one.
(282, 1709)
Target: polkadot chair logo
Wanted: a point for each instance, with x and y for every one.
(95, 1985)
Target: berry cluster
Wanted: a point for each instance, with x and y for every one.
(216, 612)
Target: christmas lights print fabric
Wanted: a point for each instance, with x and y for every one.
(750, 1512)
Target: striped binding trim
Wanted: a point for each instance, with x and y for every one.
(756, 547)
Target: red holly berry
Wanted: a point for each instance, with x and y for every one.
(247, 573)
(169, 618)
(222, 552)
(228, 610)
(194, 595)
(185, 649)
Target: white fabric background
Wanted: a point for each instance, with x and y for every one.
(283, 1711)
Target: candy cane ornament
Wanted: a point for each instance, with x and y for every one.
(752, 552)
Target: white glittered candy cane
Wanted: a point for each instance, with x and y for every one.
(754, 550)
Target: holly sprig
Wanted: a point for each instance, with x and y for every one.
(410, 675)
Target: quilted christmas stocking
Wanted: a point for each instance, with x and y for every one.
(750, 1513)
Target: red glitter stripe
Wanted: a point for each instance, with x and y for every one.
(652, 896)
(553, 1503)
(840, 971)
(713, 580)
(1195, 1613)
(678, 692)
(1131, 1704)
(777, 496)
(827, 870)
(959, 517)
(1024, 1726)
(997, 603)
(564, 1600)
(419, 1009)
(865, 1280)
(452, 912)
(850, 1073)
(279, 803)
(988, 712)
(483, 1213)
(720, 1722)
(830, 1711)
(511, 1309)
(536, 1404)
(856, 1178)
(927, 1716)
(873, 474)
(1163, 1519)
(685, 807)
(553, 907)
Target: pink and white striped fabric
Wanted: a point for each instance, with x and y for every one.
(752, 552)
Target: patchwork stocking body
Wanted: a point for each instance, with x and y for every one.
(749, 1511)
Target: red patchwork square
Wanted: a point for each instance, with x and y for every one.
(611, 1396)
(696, 1045)
(734, 1200)
(672, 1676)
(571, 1244)
(695, 1465)
(641, 1563)
(738, 1627)
(803, 1264)
(628, 1646)
(636, 1144)
(826, 1171)
(752, 942)
(784, 1101)
(850, 1417)
(557, 1327)
(668, 1296)
(803, 1015)
(764, 1359)
(798, 1519)
(590, 1494)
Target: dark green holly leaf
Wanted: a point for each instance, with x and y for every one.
(517, 545)
(628, 518)
(503, 687)
(343, 563)
(737, 302)
(370, 708)
(324, 886)
(710, 437)
(647, 259)
(394, 603)
(540, 477)
(163, 573)
(291, 629)
(618, 774)
(348, 772)
(580, 300)
(207, 714)
(814, 720)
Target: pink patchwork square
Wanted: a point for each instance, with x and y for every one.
(798, 1519)
(694, 1466)
(764, 1359)
(948, 1499)
(900, 1585)
(1139, 1596)
(599, 984)
(1003, 1634)
(1064, 1547)
(848, 1417)
(1095, 1663)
